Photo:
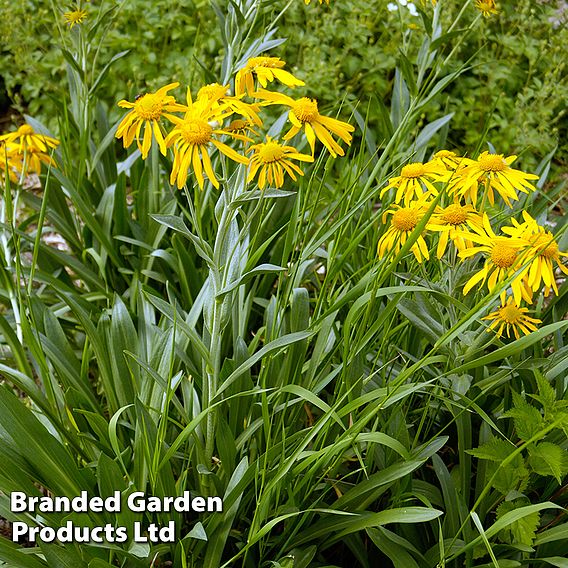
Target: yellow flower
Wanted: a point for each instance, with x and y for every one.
(75, 17)
(403, 222)
(266, 70)
(512, 317)
(146, 111)
(503, 259)
(25, 139)
(304, 114)
(450, 160)
(217, 94)
(541, 253)
(320, 1)
(450, 222)
(486, 7)
(10, 162)
(414, 178)
(273, 160)
(240, 129)
(494, 171)
(192, 139)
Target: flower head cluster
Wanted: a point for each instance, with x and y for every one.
(518, 260)
(23, 151)
(200, 128)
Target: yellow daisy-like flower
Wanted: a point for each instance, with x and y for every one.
(273, 160)
(193, 137)
(495, 172)
(10, 162)
(415, 180)
(304, 114)
(25, 140)
(266, 70)
(241, 129)
(403, 222)
(487, 7)
(75, 17)
(450, 160)
(511, 317)
(147, 110)
(541, 253)
(503, 259)
(450, 222)
(320, 1)
(217, 95)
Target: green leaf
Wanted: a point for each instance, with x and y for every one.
(521, 531)
(547, 458)
(527, 419)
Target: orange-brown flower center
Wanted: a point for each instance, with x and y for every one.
(196, 131)
(511, 313)
(149, 106)
(503, 256)
(546, 245)
(212, 92)
(454, 215)
(492, 163)
(265, 62)
(270, 152)
(415, 170)
(25, 130)
(236, 125)
(306, 110)
(405, 219)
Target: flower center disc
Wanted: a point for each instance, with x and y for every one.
(503, 256)
(212, 92)
(196, 131)
(454, 215)
(405, 219)
(510, 313)
(547, 246)
(492, 163)
(25, 130)
(149, 107)
(254, 62)
(413, 170)
(306, 109)
(271, 152)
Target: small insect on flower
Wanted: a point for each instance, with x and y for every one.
(304, 114)
(273, 160)
(266, 69)
(487, 7)
(147, 110)
(75, 17)
(511, 317)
